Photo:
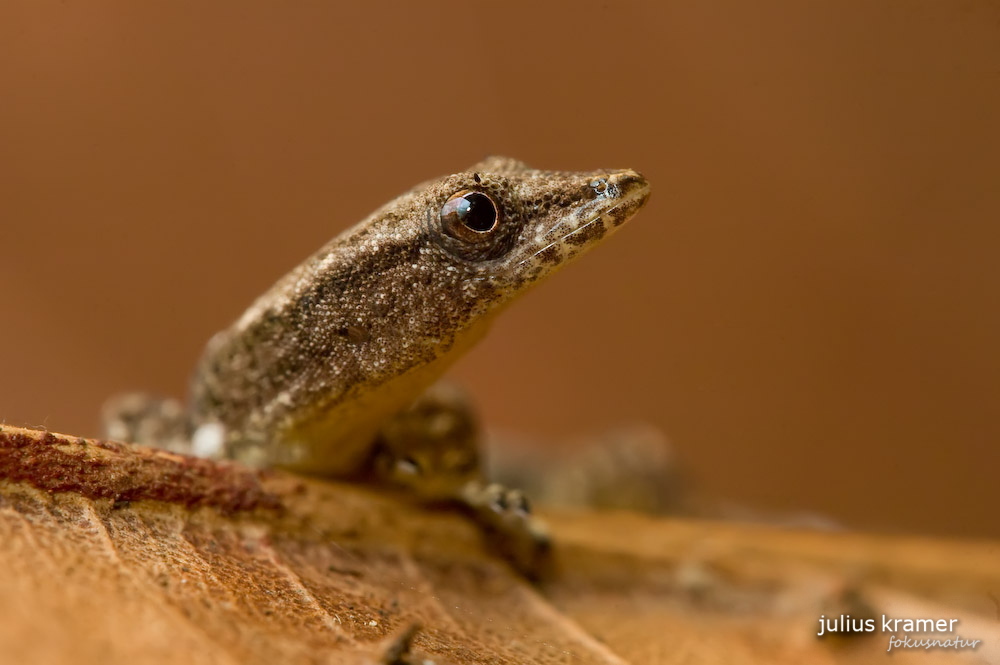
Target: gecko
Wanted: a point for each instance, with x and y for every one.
(334, 371)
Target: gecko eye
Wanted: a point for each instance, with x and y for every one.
(469, 215)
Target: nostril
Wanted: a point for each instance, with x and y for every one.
(600, 185)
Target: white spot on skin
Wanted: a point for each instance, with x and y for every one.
(208, 441)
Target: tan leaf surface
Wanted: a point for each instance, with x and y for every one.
(118, 554)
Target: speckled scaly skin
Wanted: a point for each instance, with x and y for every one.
(310, 372)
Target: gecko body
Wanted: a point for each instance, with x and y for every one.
(335, 357)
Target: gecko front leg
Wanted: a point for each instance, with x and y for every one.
(149, 420)
(433, 450)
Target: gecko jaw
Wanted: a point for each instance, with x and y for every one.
(599, 217)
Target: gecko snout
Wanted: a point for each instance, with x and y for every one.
(626, 191)
(630, 185)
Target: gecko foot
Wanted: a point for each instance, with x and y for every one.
(505, 518)
(432, 449)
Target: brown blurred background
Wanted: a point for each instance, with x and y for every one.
(809, 305)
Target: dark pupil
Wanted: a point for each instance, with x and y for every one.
(476, 211)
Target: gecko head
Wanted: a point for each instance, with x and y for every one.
(419, 282)
(508, 226)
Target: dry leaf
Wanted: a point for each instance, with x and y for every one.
(119, 554)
